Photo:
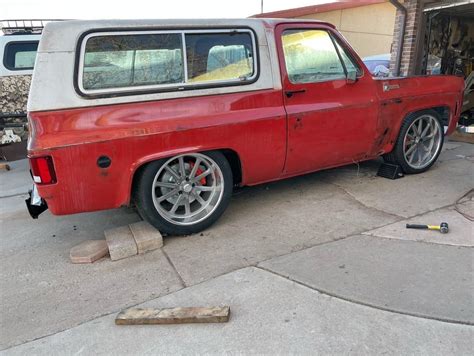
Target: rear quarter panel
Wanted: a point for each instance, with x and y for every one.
(252, 124)
(400, 97)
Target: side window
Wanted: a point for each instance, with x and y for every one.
(20, 55)
(114, 62)
(310, 56)
(219, 56)
(132, 60)
(349, 62)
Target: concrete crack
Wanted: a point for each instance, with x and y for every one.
(351, 300)
(181, 280)
(364, 205)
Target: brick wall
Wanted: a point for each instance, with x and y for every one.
(412, 37)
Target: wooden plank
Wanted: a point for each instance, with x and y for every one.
(140, 316)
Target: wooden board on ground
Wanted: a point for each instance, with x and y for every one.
(140, 316)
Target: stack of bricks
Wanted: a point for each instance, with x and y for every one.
(119, 243)
(127, 241)
(412, 39)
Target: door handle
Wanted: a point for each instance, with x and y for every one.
(289, 93)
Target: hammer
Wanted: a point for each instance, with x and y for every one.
(443, 227)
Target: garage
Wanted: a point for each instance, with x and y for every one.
(449, 38)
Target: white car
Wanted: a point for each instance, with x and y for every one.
(18, 54)
(19, 41)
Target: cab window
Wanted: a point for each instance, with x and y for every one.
(349, 62)
(310, 56)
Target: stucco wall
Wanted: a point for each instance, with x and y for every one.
(368, 28)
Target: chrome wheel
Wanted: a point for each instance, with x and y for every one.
(187, 188)
(422, 142)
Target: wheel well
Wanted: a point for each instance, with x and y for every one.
(443, 112)
(235, 164)
(231, 156)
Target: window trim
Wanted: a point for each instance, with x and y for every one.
(337, 42)
(157, 88)
(5, 53)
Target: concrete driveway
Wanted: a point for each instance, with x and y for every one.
(319, 263)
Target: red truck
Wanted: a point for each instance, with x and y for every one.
(172, 114)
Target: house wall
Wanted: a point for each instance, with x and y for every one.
(369, 29)
(412, 39)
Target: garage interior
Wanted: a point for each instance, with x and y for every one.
(446, 47)
(449, 39)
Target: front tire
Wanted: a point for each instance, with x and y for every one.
(184, 194)
(419, 142)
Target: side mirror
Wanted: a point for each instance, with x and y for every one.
(351, 77)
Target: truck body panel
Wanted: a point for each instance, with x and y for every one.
(274, 135)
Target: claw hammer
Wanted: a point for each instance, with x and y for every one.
(443, 227)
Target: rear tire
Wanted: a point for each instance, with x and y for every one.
(419, 142)
(184, 194)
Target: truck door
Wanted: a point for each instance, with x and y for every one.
(331, 118)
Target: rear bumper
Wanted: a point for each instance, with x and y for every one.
(35, 204)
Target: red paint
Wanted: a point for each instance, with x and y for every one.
(331, 124)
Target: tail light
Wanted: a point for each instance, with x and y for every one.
(42, 169)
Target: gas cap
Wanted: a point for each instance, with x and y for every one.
(104, 162)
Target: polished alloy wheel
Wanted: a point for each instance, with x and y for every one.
(187, 188)
(422, 141)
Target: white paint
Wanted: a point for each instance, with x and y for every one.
(52, 85)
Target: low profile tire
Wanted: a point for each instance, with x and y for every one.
(184, 194)
(419, 142)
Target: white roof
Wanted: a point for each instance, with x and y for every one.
(62, 35)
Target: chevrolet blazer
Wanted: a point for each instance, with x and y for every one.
(170, 115)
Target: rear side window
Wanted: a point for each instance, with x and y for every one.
(20, 55)
(128, 61)
(219, 57)
(121, 62)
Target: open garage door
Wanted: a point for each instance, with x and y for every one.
(449, 38)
